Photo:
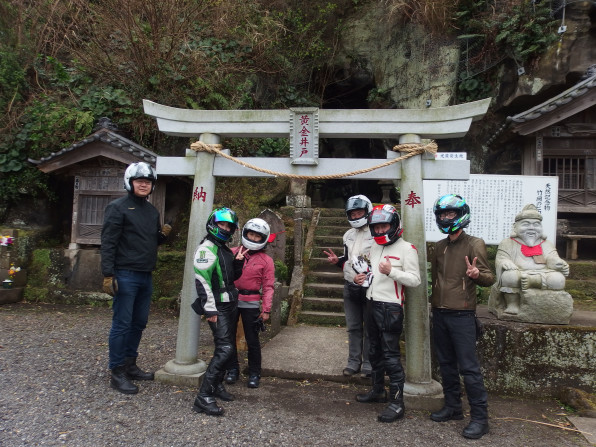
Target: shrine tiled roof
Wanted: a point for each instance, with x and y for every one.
(588, 83)
(568, 95)
(110, 137)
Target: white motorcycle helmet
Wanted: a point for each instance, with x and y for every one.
(356, 203)
(260, 227)
(139, 170)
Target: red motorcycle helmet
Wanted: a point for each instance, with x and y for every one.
(385, 214)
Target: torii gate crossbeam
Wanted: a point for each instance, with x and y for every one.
(331, 166)
(432, 123)
(410, 126)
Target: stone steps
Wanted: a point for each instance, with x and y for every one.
(322, 303)
(581, 289)
(322, 318)
(333, 275)
(324, 290)
(321, 264)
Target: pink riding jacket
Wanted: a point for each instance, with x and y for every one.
(258, 274)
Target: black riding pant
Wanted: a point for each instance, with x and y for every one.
(223, 331)
(384, 328)
(249, 317)
(454, 336)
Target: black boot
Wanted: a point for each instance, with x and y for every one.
(447, 414)
(377, 392)
(121, 382)
(205, 401)
(478, 425)
(232, 376)
(475, 430)
(396, 408)
(253, 381)
(134, 372)
(374, 395)
(222, 393)
(207, 405)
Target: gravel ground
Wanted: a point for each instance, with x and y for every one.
(54, 391)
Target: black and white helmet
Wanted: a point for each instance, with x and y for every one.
(358, 202)
(260, 227)
(139, 170)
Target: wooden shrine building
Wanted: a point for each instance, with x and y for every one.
(560, 140)
(97, 164)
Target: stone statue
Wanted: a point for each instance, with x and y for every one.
(530, 275)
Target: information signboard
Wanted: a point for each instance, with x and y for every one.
(494, 201)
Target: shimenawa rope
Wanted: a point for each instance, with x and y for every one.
(409, 149)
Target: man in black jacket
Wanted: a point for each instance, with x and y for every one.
(130, 235)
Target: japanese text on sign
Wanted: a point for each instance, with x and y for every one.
(304, 135)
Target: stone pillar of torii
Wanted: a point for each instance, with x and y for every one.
(304, 127)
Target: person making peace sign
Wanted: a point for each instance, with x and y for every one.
(255, 285)
(459, 263)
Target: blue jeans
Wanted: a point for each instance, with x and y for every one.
(454, 336)
(130, 314)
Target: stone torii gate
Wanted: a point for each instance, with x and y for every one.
(304, 127)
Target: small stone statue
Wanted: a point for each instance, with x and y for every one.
(530, 275)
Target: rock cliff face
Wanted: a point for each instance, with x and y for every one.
(406, 66)
(382, 63)
(401, 64)
(561, 66)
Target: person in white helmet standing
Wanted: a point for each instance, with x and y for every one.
(255, 295)
(357, 242)
(130, 235)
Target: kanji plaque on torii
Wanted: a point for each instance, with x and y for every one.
(304, 136)
(305, 127)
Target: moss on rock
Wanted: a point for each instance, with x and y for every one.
(581, 290)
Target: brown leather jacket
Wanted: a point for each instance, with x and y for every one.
(451, 287)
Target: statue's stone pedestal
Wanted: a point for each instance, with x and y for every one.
(535, 306)
(537, 360)
(299, 201)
